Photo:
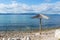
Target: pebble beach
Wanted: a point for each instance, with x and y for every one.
(17, 35)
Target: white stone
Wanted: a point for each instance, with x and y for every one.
(57, 33)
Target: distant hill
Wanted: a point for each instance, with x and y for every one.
(27, 14)
(18, 13)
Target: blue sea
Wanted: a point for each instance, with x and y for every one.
(25, 21)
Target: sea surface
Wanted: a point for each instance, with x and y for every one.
(26, 22)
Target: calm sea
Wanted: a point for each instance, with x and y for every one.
(24, 21)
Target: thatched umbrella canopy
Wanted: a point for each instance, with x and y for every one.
(40, 16)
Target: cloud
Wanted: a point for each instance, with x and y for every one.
(55, 8)
(15, 7)
(47, 8)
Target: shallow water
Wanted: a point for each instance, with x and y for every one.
(23, 22)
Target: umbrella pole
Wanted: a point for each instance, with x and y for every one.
(40, 24)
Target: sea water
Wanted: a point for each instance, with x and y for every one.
(25, 21)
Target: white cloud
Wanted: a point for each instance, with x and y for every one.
(40, 7)
(15, 7)
(48, 8)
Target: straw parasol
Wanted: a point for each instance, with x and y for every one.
(40, 16)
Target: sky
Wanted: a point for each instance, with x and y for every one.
(30, 6)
